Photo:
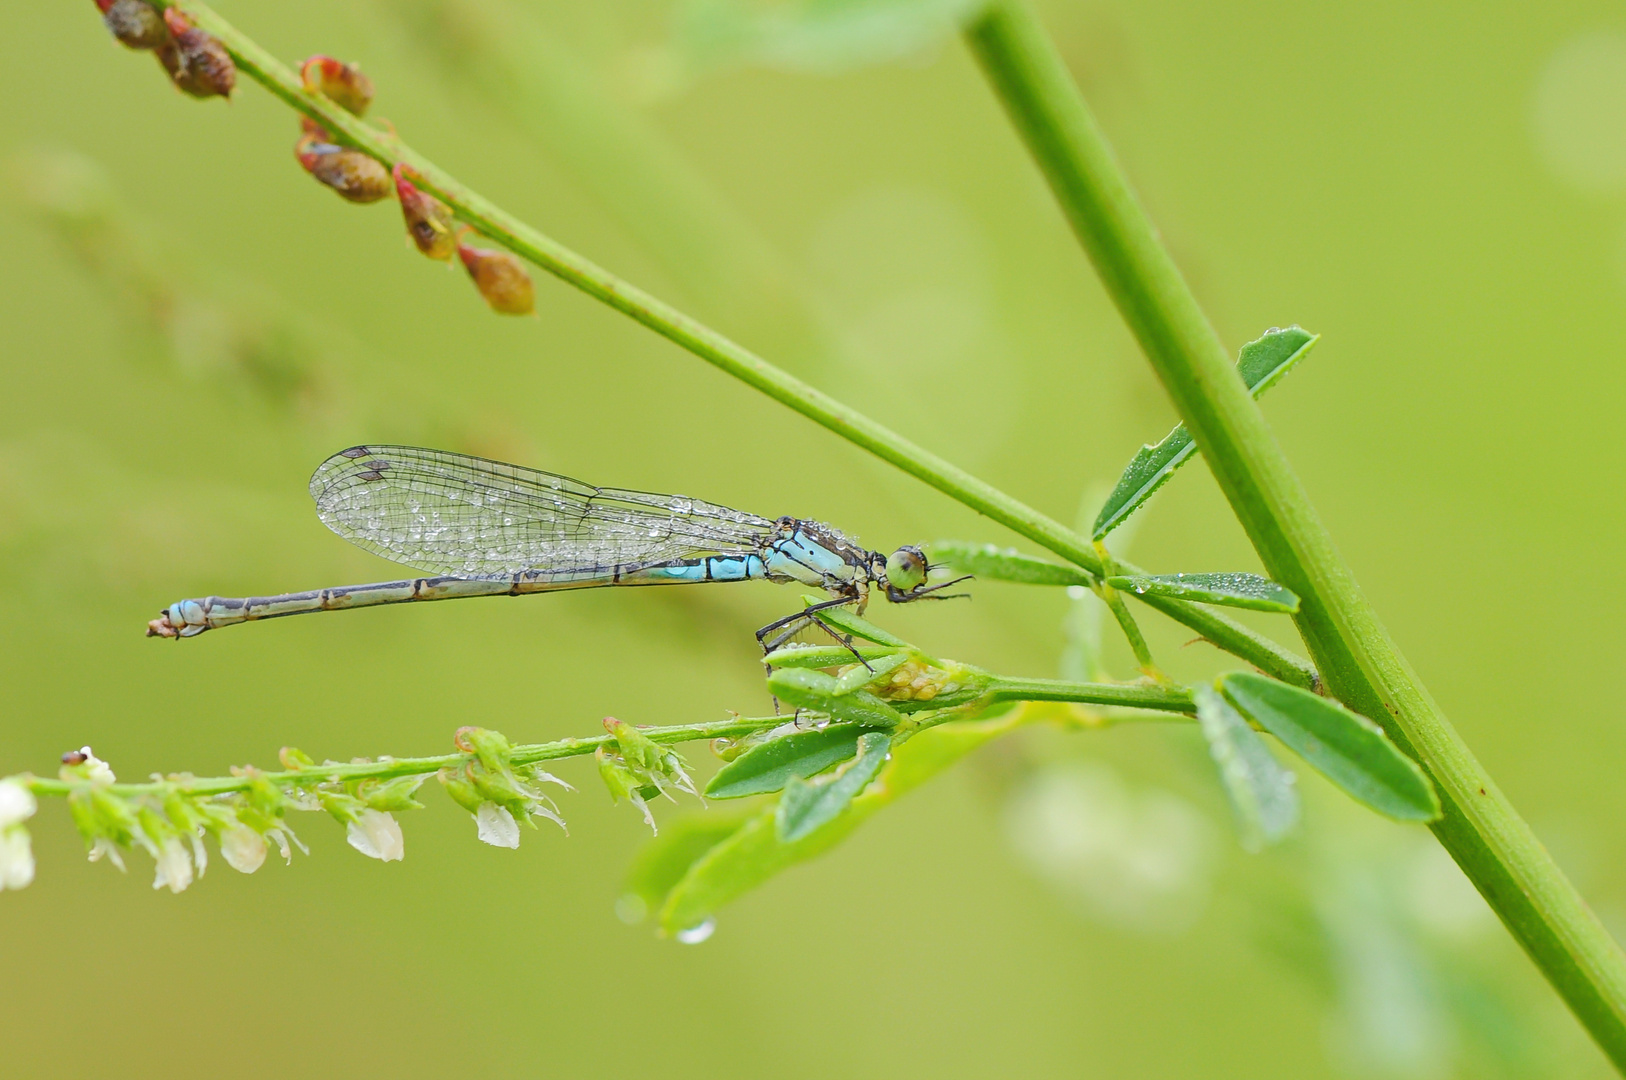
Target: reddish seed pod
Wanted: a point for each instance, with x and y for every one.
(196, 61)
(351, 173)
(135, 23)
(344, 83)
(429, 221)
(501, 279)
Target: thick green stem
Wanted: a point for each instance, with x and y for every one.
(732, 358)
(1361, 665)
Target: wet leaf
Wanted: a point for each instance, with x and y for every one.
(754, 853)
(1261, 791)
(1261, 364)
(808, 805)
(1230, 590)
(992, 563)
(846, 622)
(768, 766)
(808, 689)
(1346, 748)
(826, 656)
(661, 863)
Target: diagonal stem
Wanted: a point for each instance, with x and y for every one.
(730, 357)
(1480, 828)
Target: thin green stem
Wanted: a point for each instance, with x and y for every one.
(1153, 696)
(386, 768)
(1480, 828)
(723, 353)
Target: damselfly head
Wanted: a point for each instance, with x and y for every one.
(906, 568)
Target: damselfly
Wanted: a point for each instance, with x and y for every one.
(483, 528)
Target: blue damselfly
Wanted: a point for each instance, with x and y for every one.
(485, 528)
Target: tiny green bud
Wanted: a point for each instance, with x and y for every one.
(293, 759)
(460, 788)
(393, 794)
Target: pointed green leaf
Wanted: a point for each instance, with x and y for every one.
(662, 862)
(1261, 791)
(1346, 748)
(808, 689)
(842, 619)
(769, 766)
(1230, 590)
(826, 656)
(808, 805)
(1261, 365)
(992, 563)
(754, 853)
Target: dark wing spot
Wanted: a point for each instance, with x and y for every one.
(378, 466)
(355, 452)
(369, 474)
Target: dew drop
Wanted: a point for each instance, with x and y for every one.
(694, 935)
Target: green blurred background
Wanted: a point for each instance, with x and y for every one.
(190, 324)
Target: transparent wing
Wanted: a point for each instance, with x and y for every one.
(463, 516)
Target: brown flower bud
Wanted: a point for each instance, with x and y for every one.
(429, 221)
(501, 279)
(136, 23)
(351, 173)
(344, 83)
(196, 61)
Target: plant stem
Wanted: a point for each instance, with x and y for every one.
(723, 353)
(386, 768)
(1480, 828)
(1156, 697)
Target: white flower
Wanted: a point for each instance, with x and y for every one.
(281, 835)
(497, 826)
(103, 846)
(16, 803)
(99, 771)
(377, 835)
(174, 865)
(16, 857)
(243, 848)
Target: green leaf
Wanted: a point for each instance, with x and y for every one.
(844, 620)
(1261, 791)
(662, 862)
(808, 689)
(769, 766)
(825, 656)
(808, 805)
(1230, 590)
(992, 563)
(1261, 365)
(754, 853)
(1346, 748)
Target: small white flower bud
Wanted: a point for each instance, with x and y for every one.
(16, 803)
(377, 835)
(174, 865)
(497, 826)
(16, 857)
(242, 848)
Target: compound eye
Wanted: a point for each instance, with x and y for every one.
(906, 568)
